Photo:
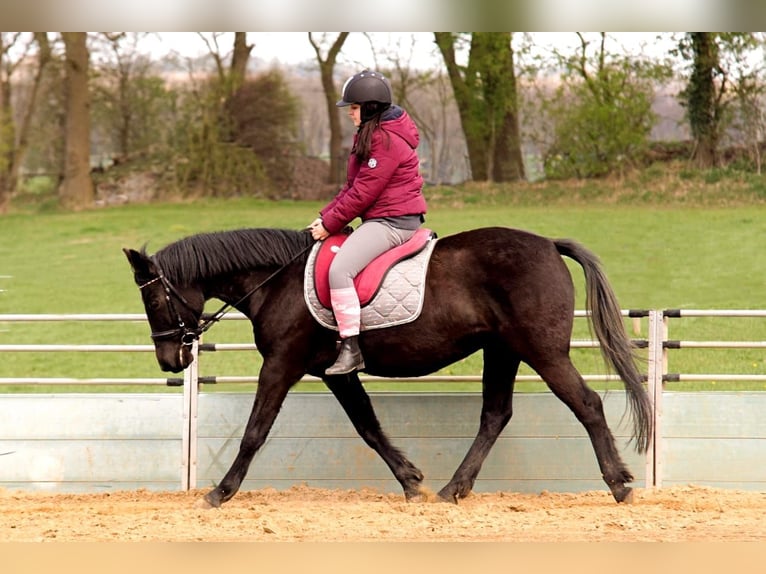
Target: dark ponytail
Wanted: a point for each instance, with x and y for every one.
(370, 116)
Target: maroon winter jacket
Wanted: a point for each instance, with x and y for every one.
(388, 183)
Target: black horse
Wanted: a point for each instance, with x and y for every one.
(504, 291)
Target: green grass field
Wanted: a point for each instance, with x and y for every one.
(682, 254)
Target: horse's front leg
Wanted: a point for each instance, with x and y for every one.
(271, 393)
(356, 403)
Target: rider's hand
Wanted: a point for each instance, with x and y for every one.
(318, 232)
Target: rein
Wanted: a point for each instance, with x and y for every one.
(188, 336)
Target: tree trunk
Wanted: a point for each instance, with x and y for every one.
(326, 68)
(239, 59)
(464, 90)
(703, 118)
(43, 59)
(7, 132)
(507, 160)
(486, 97)
(76, 188)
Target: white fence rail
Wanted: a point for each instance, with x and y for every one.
(657, 344)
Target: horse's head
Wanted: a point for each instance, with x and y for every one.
(173, 312)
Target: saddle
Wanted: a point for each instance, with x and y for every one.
(390, 288)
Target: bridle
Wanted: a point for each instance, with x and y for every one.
(190, 335)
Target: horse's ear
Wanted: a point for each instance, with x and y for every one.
(138, 261)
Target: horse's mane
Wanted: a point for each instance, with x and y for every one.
(205, 255)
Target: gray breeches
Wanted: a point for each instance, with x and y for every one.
(367, 241)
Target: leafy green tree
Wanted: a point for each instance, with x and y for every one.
(748, 119)
(600, 111)
(703, 100)
(129, 97)
(716, 82)
(485, 93)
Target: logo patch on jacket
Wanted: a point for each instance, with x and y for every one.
(372, 162)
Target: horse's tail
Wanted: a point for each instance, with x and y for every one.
(616, 348)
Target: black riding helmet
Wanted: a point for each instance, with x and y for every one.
(366, 86)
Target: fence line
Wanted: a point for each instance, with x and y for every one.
(657, 344)
(67, 348)
(679, 344)
(659, 375)
(211, 347)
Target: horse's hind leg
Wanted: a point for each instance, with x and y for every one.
(568, 385)
(497, 408)
(356, 403)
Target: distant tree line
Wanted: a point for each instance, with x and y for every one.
(74, 106)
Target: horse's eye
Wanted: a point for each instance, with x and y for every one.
(154, 303)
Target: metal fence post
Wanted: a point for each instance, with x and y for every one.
(657, 367)
(189, 441)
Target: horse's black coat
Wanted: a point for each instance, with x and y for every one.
(504, 291)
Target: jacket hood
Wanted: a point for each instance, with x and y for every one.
(398, 121)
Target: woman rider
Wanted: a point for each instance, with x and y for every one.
(383, 187)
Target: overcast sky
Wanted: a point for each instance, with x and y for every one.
(416, 47)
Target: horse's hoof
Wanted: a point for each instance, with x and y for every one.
(204, 504)
(421, 494)
(628, 499)
(212, 499)
(623, 495)
(417, 498)
(442, 497)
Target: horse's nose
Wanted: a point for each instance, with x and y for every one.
(173, 367)
(174, 359)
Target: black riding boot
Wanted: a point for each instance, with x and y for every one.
(350, 358)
